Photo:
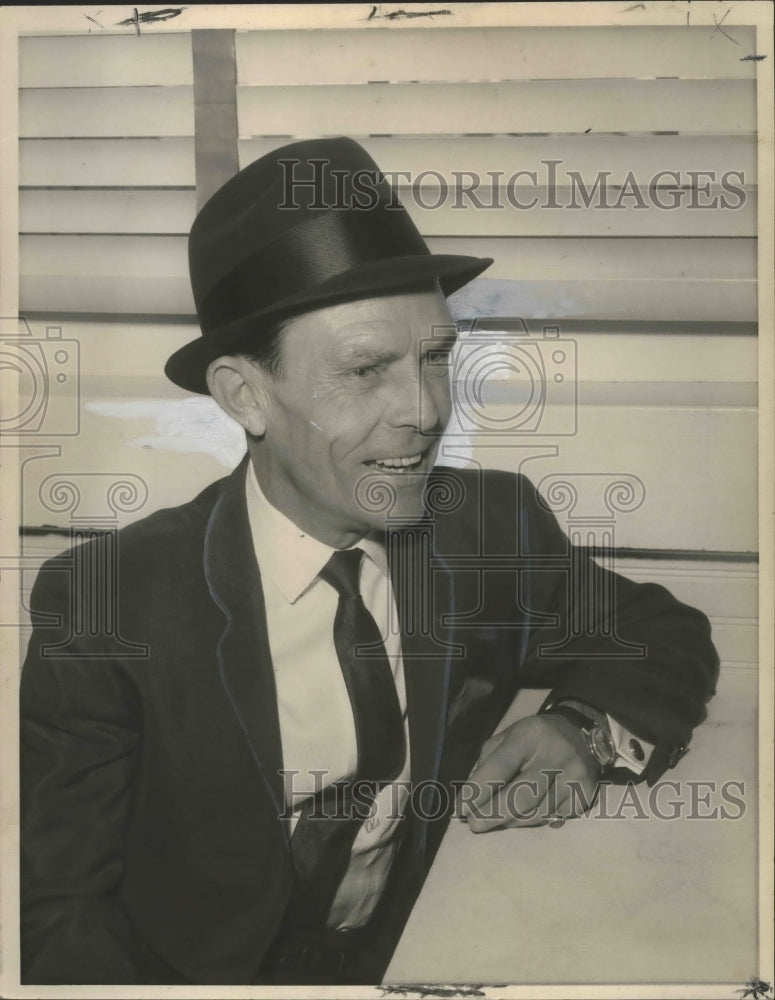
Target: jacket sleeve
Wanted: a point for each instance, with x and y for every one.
(629, 649)
(80, 725)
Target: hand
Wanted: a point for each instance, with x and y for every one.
(538, 771)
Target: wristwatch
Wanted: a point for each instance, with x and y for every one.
(596, 734)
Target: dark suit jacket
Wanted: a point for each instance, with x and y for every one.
(153, 850)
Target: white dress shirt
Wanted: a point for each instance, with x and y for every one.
(317, 728)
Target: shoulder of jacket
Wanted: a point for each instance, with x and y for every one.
(157, 535)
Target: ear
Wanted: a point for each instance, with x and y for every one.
(238, 387)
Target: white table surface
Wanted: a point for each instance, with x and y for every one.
(602, 900)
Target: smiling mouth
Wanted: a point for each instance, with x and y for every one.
(400, 464)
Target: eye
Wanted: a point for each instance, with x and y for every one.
(365, 371)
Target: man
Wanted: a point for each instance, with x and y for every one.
(223, 787)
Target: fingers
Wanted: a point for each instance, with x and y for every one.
(512, 750)
(533, 798)
(513, 804)
(501, 760)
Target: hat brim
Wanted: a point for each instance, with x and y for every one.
(187, 367)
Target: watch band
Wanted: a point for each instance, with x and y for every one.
(584, 722)
(597, 736)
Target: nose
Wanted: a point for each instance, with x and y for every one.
(420, 399)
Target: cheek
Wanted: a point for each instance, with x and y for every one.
(440, 390)
(348, 425)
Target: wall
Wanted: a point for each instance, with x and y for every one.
(655, 306)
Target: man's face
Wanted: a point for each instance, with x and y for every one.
(356, 413)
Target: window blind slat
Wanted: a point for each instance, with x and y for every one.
(527, 258)
(106, 111)
(105, 60)
(645, 299)
(310, 57)
(609, 258)
(126, 211)
(120, 293)
(693, 106)
(670, 357)
(124, 292)
(136, 256)
(631, 218)
(588, 155)
(149, 211)
(113, 162)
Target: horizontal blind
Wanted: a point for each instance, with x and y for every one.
(107, 148)
(106, 126)
(471, 114)
(522, 119)
(496, 137)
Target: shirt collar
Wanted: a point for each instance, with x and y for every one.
(286, 555)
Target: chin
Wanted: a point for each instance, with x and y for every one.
(407, 508)
(391, 501)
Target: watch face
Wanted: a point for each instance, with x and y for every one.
(602, 746)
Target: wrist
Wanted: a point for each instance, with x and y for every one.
(593, 725)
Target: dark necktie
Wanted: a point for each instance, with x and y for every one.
(321, 846)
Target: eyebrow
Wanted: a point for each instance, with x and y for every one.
(355, 354)
(360, 354)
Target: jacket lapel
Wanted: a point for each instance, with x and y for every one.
(423, 589)
(244, 657)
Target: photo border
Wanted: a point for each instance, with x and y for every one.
(18, 20)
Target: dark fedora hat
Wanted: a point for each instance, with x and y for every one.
(308, 225)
